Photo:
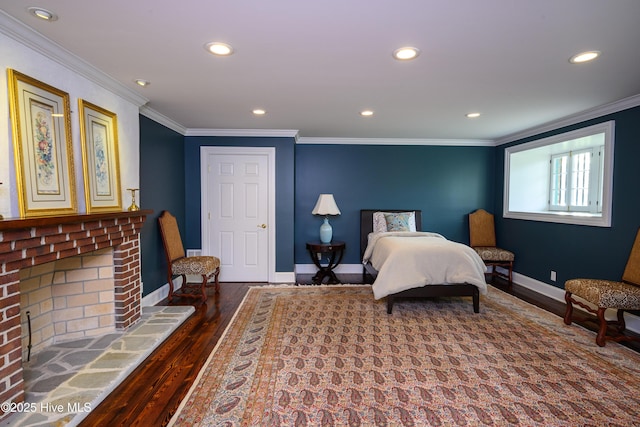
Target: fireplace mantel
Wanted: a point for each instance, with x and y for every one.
(28, 242)
(43, 221)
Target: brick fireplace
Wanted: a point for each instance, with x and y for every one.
(26, 244)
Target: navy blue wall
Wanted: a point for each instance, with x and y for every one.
(575, 250)
(161, 188)
(446, 183)
(284, 190)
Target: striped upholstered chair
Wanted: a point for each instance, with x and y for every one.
(482, 236)
(621, 296)
(206, 267)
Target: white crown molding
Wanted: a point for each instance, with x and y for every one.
(592, 113)
(30, 38)
(290, 133)
(398, 141)
(163, 120)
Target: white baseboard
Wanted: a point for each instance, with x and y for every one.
(156, 296)
(283, 277)
(159, 294)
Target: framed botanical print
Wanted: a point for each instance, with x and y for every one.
(43, 152)
(100, 161)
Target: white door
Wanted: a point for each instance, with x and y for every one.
(237, 200)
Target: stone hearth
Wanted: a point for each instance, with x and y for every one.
(26, 243)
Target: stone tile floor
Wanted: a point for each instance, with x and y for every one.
(65, 381)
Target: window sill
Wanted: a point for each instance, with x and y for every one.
(576, 218)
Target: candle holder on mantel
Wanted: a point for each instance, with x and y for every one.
(133, 206)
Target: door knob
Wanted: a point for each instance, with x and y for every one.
(263, 226)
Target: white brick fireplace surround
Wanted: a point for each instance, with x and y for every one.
(26, 243)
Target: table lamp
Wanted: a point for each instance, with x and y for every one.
(326, 205)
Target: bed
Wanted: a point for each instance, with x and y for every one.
(449, 268)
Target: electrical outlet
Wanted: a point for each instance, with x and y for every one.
(553, 276)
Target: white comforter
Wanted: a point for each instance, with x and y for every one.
(406, 260)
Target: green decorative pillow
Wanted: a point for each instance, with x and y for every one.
(398, 221)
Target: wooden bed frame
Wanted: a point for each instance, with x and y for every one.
(448, 290)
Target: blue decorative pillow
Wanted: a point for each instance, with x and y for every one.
(398, 221)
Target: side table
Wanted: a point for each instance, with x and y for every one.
(335, 250)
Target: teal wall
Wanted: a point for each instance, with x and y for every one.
(577, 250)
(161, 187)
(446, 183)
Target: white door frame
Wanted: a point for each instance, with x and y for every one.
(205, 151)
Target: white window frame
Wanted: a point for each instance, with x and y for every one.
(599, 212)
(594, 190)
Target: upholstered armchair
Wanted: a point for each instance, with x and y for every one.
(482, 236)
(619, 295)
(206, 267)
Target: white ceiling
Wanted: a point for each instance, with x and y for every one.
(313, 65)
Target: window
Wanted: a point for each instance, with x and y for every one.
(565, 178)
(576, 184)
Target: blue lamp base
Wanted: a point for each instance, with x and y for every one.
(326, 232)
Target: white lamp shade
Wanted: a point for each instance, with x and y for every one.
(326, 205)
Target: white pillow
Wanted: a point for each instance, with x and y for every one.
(380, 223)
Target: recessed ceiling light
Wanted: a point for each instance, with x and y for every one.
(259, 112)
(473, 115)
(44, 14)
(584, 57)
(142, 82)
(220, 49)
(366, 113)
(406, 53)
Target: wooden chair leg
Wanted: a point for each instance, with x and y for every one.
(568, 314)
(621, 324)
(203, 288)
(217, 287)
(601, 339)
(170, 281)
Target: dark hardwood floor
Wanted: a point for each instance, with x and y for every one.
(153, 392)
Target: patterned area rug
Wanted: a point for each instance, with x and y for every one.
(331, 355)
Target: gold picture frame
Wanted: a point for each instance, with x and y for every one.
(100, 159)
(43, 151)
